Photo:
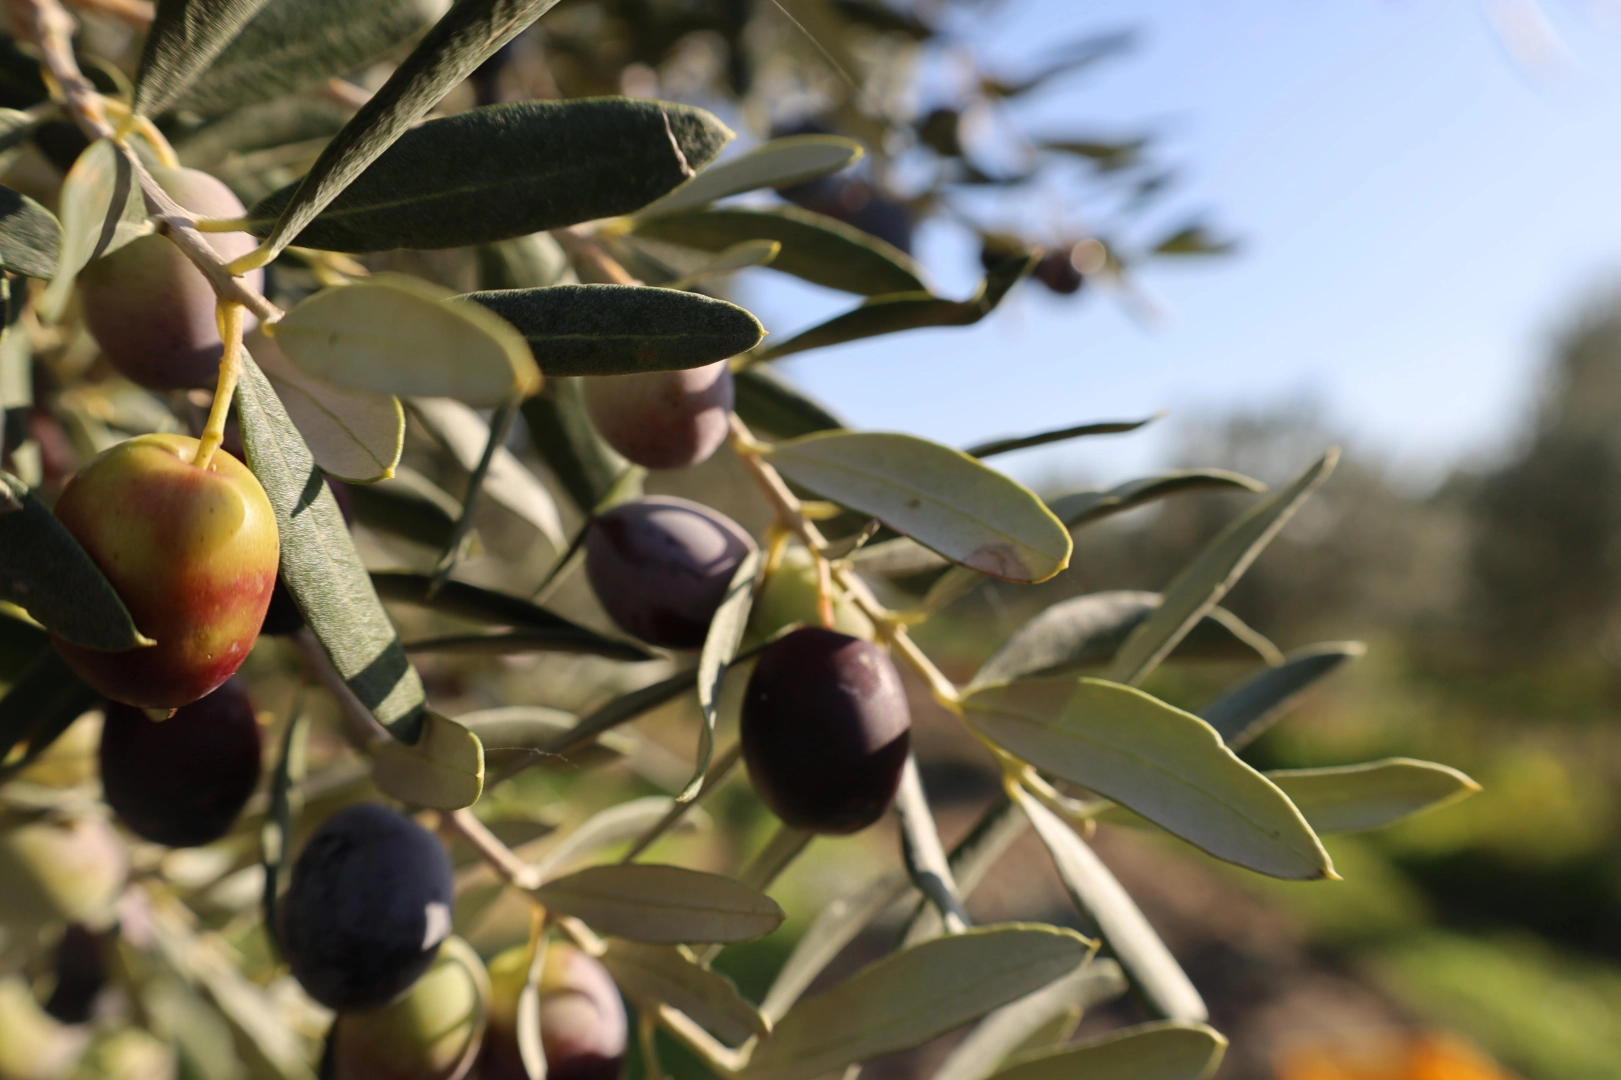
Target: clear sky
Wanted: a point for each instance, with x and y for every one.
(1420, 207)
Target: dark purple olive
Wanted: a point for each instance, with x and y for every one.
(81, 972)
(660, 567)
(181, 781)
(368, 906)
(825, 730)
(853, 201)
(663, 419)
(1058, 272)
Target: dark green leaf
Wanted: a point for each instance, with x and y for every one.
(1089, 629)
(184, 39)
(566, 639)
(1024, 442)
(906, 311)
(585, 466)
(1193, 240)
(30, 236)
(40, 705)
(20, 643)
(720, 647)
(1109, 909)
(281, 818)
(321, 567)
(1244, 712)
(294, 44)
(44, 571)
(480, 605)
(817, 248)
(623, 329)
(768, 403)
(470, 33)
(524, 262)
(1085, 507)
(621, 710)
(260, 126)
(408, 505)
(1109, 155)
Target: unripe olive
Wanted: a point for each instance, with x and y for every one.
(54, 872)
(789, 596)
(825, 730)
(192, 553)
(582, 1019)
(81, 973)
(150, 309)
(432, 1032)
(663, 419)
(660, 567)
(182, 781)
(367, 908)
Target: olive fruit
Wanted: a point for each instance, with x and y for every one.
(582, 1019)
(825, 730)
(59, 872)
(150, 309)
(432, 1032)
(1057, 271)
(81, 973)
(193, 554)
(789, 596)
(367, 908)
(660, 567)
(33, 1045)
(663, 419)
(182, 781)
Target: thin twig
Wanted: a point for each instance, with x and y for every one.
(590, 257)
(137, 13)
(469, 829)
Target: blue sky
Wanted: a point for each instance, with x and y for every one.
(1420, 211)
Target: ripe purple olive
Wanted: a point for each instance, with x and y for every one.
(368, 906)
(431, 1032)
(660, 567)
(182, 781)
(1057, 271)
(582, 1019)
(663, 419)
(825, 730)
(150, 309)
(81, 973)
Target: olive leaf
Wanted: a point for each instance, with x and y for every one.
(45, 699)
(442, 770)
(44, 571)
(184, 39)
(465, 434)
(905, 311)
(922, 851)
(720, 648)
(623, 329)
(320, 565)
(585, 466)
(21, 641)
(1056, 1008)
(662, 905)
(1086, 507)
(775, 164)
(1164, 1051)
(487, 606)
(768, 403)
(281, 817)
(513, 735)
(30, 236)
(943, 499)
(392, 334)
(1353, 798)
(101, 209)
(408, 505)
(293, 44)
(1043, 438)
(354, 435)
(1244, 712)
(817, 248)
(1167, 765)
(651, 975)
(504, 171)
(614, 825)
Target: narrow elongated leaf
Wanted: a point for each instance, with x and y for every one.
(913, 995)
(261, 126)
(905, 311)
(513, 736)
(972, 859)
(409, 506)
(1145, 1052)
(1001, 1034)
(20, 643)
(442, 770)
(835, 926)
(622, 710)
(1106, 906)
(743, 256)
(1244, 712)
(1352, 798)
(1167, 765)
(662, 905)
(46, 698)
(778, 163)
(281, 817)
(1085, 630)
(320, 565)
(720, 647)
(101, 210)
(468, 34)
(183, 40)
(502, 171)
(564, 639)
(651, 975)
(1203, 582)
(1043, 438)
(392, 334)
(354, 435)
(44, 571)
(769, 404)
(623, 329)
(924, 854)
(507, 482)
(30, 236)
(585, 466)
(617, 824)
(294, 44)
(943, 499)
(494, 608)
(1085, 507)
(820, 249)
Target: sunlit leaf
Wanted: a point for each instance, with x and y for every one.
(1244, 712)
(662, 905)
(1004, 1032)
(30, 236)
(464, 433)
(778, 163)
(720, 648)
(1351, 798)
(442, 770)
(1043, 438)
(101, 209)
(184, 39)
(651, 975)
(1145, 1052)
(770, 405)
(1085, 507)
(354, 435)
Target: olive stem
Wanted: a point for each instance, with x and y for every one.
(646, 1030)
(229, 315)
(136, 13)
(589, 256)
(718, 771)
(471, 831)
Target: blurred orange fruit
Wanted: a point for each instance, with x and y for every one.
(1420, 1057)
